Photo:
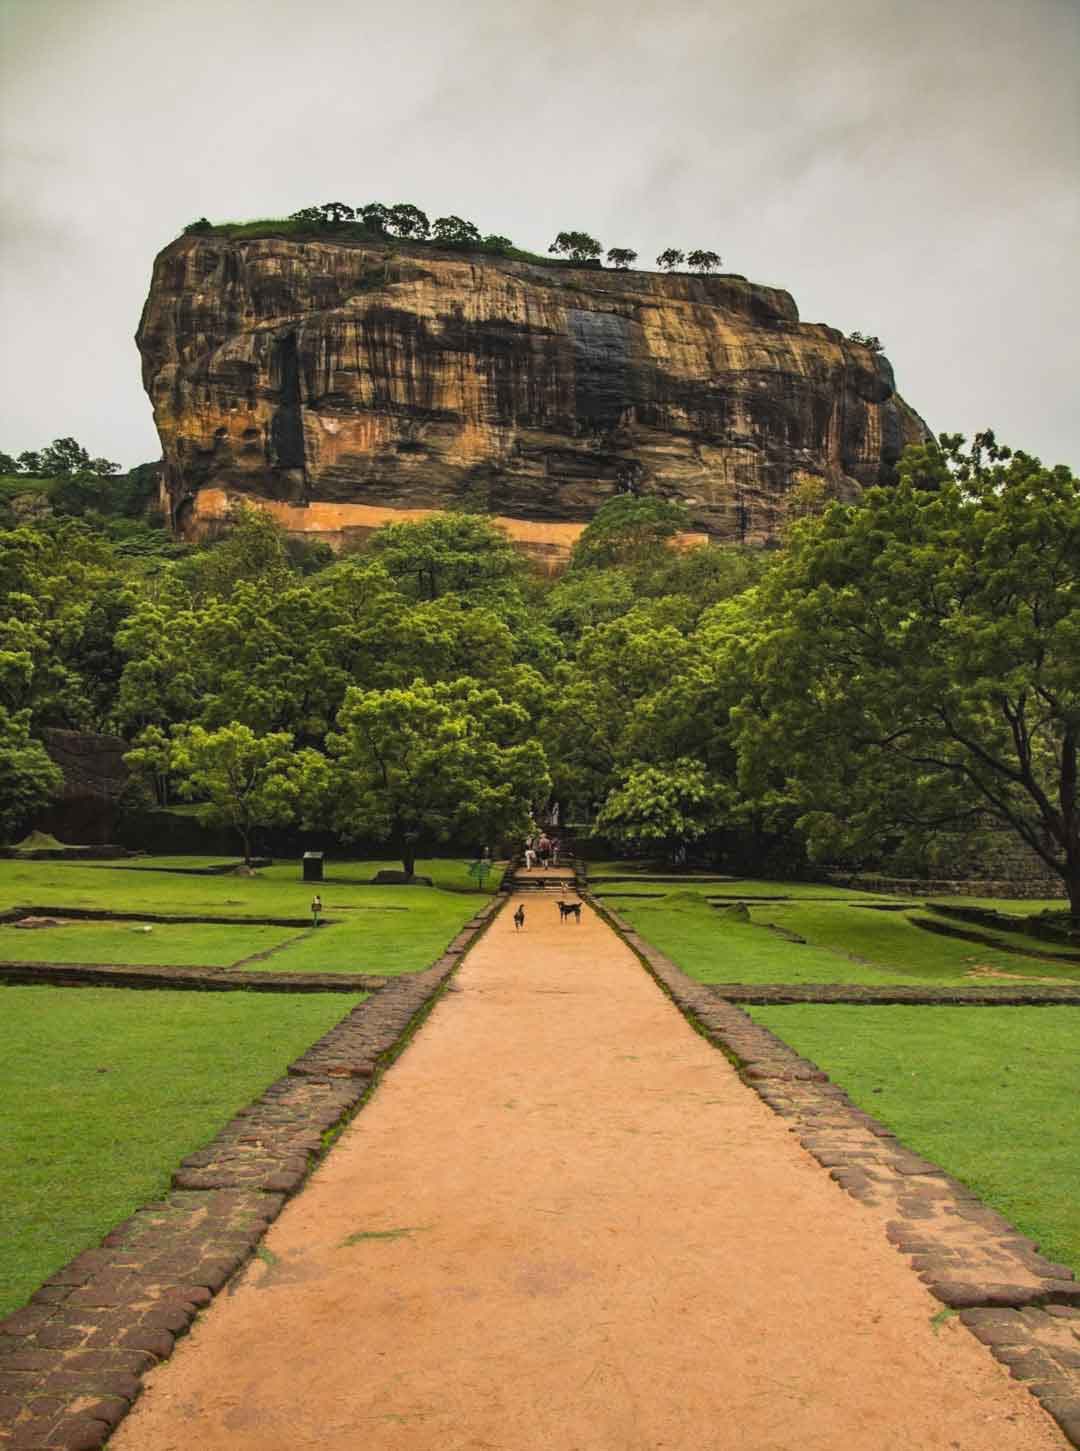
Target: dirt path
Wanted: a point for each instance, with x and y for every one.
(562, 1224)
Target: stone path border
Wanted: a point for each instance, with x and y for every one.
(1024, 1307)
(199, 979)
(100, 914)
(990, 996)
(71, 1361)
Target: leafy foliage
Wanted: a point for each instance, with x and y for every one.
(914, 661)
(406, 220)
(454, 232)
(578, 246)
(703, 261)
(670, 258)
(28, 778)
(622, 257)
(426, 762)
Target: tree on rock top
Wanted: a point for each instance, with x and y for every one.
(703, 261)
(405, 220)
(670, 258)
(374, 216)
(578, 246)
(621, 257)
(454, 231)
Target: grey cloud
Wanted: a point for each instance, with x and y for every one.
(910, 169)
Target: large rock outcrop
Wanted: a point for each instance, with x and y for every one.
(341, 383)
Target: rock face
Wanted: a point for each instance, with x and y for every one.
(340, 384)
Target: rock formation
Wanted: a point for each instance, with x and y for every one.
(342, 383)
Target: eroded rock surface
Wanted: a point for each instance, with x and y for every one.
(338, 382)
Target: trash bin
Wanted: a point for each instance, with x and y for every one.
(313, 866)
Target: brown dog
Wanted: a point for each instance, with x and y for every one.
(519, 919)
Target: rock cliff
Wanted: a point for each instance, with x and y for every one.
(341, 383)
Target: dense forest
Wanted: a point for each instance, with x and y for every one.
(901, 671)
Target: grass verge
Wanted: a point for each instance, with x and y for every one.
(992, 1095)
(844, 943)
(103, 1091)
(195, 944)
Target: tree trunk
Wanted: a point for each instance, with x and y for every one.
(246, 839)
(1072, 886)
(408, 859)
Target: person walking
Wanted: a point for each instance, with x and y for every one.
(545, 849)
(316, 909)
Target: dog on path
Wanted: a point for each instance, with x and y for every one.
(570, 909)
(519, 918)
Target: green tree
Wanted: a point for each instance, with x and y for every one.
(253, 549)
(578, 246)
(703, 261)
(28, 778)
(64, 456)
(8, 464)
(670, 805)
(629, 529)
(622, 257)
(448, 553)
(333, 212)
(670, 258)
(406, 220)
(306, 214)
(428, 763)
(29, 462)
(915, 664)
(374, 216)
(454, 232)
(243, 781)
(494, 243)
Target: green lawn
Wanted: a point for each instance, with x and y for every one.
(103, 1091)
(845, 943)
(992, 1095)
(382, 930)
(193, 944)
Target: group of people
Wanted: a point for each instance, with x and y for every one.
(541, 851)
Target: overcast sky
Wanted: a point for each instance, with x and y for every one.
(910, 168)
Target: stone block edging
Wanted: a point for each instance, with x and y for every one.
(991, 996)
(72, 1360)
(1025, 1308)
(198, 979)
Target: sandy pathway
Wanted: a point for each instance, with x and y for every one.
(608, 1245)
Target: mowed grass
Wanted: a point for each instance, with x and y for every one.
(990, 1094)
(195, 944)
(845, 943)
(103, 1091)
(385, 930)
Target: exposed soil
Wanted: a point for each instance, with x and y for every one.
(564, 1224)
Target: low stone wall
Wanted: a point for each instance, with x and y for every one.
(1024, 888)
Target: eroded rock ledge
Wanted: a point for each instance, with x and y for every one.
(339, 383)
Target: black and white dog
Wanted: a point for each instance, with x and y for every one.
(570, 909)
